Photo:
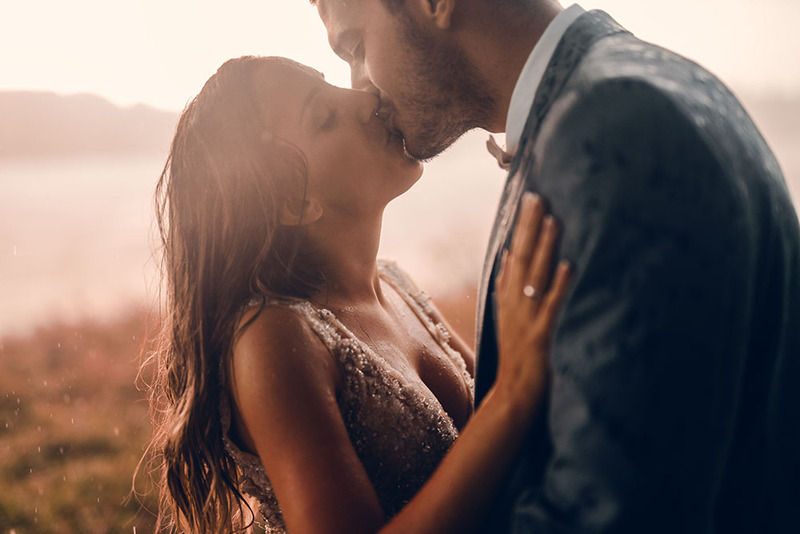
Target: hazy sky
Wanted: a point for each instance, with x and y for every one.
(160, 52)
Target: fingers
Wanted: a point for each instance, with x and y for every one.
(528, 263)
(526, 232)
(556, 296)
(541, 264)
(524, 239)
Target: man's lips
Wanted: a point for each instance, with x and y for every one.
(386, 115)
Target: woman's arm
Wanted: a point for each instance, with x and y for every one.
(458, 495)
(285, 388)
(285, 384)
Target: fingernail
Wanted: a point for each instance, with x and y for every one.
(530, 198)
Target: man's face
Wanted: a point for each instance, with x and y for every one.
(428, 89)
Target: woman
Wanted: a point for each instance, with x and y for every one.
(296, 368)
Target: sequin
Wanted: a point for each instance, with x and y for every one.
(399, 434)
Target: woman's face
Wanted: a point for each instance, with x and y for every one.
(354, 162)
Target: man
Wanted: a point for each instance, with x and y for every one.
(675, 399)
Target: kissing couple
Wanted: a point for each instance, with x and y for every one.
(648, 382)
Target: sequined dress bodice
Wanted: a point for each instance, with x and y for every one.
(399, 434)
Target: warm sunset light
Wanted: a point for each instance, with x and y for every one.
(160, 53)
(91, 92)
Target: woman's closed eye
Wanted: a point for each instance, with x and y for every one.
(330, 120)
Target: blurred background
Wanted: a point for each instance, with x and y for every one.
(90, 92)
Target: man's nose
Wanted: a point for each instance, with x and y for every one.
(359, 78)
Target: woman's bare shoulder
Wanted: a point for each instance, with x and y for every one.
(276, 344)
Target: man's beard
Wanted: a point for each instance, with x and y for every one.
(444, 97)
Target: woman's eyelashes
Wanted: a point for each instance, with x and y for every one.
(329, 120)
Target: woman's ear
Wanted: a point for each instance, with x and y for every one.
(299, 212)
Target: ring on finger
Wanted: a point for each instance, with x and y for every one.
(530, 291)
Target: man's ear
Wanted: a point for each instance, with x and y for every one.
(440, 12)
(298, 212)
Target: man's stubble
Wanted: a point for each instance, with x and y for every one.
(444, 98)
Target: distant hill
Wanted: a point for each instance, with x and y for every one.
(40, 124)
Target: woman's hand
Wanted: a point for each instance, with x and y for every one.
(528, 302)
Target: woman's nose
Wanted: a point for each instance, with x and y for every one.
(367, 105)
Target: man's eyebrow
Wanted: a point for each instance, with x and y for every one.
(309, 97)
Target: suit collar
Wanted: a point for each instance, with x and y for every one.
(573, 46)
(532, 73)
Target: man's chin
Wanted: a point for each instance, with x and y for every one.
(426, 151)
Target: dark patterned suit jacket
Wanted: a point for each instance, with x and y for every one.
(675, 400)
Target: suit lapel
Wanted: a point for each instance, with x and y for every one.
(579, 37)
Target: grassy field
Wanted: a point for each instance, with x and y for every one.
(73, 426)
(72, 429)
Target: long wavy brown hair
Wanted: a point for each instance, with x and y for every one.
(221, 246)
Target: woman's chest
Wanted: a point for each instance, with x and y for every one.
(407, 350)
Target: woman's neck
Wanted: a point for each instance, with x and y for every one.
(346, 252)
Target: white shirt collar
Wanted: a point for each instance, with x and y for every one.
(531, 75)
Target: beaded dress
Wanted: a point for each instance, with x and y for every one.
(399, 434)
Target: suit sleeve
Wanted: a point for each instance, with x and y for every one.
(645, 359)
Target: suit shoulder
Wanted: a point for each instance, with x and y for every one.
(624, 57)
(613, 108)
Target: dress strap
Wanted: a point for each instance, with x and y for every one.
(323, 322)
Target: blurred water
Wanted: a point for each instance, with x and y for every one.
(75, 234)
(73, 238)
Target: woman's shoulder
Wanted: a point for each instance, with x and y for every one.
(278, 340)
